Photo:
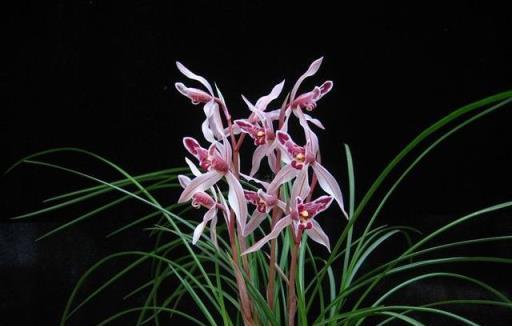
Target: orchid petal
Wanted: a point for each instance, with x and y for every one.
(257, 156)
(272, 159)
(226, 151)
(225, 209)
(193, 168)
(254, 109)
(286, 119)
(269, 199)
(213, 231)
(198, 231)
(313, 68)
(282, 205)
(200, 183)
(249, 178)
(317, 234)
(255, 220)
(216, 122)
(273, 115)
(311, 137)
(195, 95)
(284, 175)
(184, 70)
(300, 186)
(329, 184)
(207, 132)
(314, 121)
(211, 110)
(263, 102)
(280, 225)
(191, 145)
(183, 180)
(325, 88)
(208, 216)
(236, 199)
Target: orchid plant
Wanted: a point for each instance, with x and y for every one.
(257, 265)
(288, 161)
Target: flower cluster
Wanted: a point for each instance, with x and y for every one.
(297, 166)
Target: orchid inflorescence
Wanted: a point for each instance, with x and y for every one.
(289, 162)
(218, 161)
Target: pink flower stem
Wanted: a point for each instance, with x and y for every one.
(244, 298)
(245, 303)
(292, 296)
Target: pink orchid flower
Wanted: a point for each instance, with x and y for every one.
(212, 126)
(260, 128)
(308, 100)
(264, 139)
(264, 200)
(203, 199)
(217, 162)
(301, 158)
(301, 217)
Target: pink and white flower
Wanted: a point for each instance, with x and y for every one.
(308, 100)
(300, 158)
(203, 199)
(217, 162)
(264, 200)
(301, 217)
(264, 138)
(212, 126)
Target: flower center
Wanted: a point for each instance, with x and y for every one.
(304, 215)
(260, 137)
(300, 157)
(261, 206)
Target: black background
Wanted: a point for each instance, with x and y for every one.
(99, 76)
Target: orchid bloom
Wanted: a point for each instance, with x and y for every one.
(301, 216)
(264, 200)
(300, 158)
(264, 139)
(203, 199)
(212, 126)
(217, 162)
(308, 100)
(260, 128)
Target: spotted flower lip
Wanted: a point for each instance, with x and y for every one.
(257, 133)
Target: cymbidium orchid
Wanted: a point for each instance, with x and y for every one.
(300, 215)
(288, 161)
(259, 126)
(203, 199)
(264, 200)
(212, 125)
(217, 162)
(301, 157)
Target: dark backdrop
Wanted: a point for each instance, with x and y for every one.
(100, 76)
